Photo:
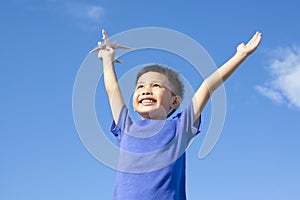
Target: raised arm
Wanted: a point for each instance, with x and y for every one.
(111, 83)
(212, 82)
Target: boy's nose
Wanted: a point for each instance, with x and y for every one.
(146, 92)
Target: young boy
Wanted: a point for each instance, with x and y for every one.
(152, 158)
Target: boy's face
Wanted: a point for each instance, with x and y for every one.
(153, 98)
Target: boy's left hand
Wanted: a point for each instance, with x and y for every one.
(251, 45)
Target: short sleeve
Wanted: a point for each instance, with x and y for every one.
(187, 123)
(122, 124)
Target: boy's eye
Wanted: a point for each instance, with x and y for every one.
(139, 86)
(156, 85)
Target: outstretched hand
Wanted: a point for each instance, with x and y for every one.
(248, 48)
(107, 53)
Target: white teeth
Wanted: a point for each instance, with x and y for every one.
(147, 101)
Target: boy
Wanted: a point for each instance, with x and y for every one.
(152, 149)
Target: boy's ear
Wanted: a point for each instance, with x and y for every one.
(176, 102)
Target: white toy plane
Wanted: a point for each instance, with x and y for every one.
(108, 44)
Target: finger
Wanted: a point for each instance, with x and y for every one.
(109, 49)
(100, 54)
(252, 39)
(255, 39)
(259, 36)
(240, 46)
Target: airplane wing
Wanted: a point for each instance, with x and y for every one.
(107, 43)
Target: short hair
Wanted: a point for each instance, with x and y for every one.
(172, 76)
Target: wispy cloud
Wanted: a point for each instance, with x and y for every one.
(86, 15)
(85, 11)
(284, 85)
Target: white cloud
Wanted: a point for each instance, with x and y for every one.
(271, 94)
(284, 86)
(86, 15)
(85, 11)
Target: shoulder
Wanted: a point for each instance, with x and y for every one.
(186, 120)
(186, 111)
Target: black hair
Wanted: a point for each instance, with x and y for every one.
(172, 76)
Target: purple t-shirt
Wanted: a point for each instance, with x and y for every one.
(152, 156)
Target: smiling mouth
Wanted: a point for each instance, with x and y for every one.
(147, 101)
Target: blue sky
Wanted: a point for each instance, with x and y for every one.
(44, 43)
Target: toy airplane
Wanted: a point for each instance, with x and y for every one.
(108, 44)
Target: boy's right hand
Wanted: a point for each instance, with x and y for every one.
(107, 54)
